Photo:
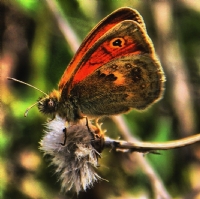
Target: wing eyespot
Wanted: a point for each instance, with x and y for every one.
(128, 66)
(117, 43)
(136, 74)
(114, 67)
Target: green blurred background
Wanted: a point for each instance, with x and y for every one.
(35, 51)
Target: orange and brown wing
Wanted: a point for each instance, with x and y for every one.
(105, 25)
(122, 72)
(125, 38)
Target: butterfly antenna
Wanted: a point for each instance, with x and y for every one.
(30, 107)
(16, 80)
(27, 110)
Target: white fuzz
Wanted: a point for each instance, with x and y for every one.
(76, 160)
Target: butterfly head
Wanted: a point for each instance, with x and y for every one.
(53, 104)
(50, 103)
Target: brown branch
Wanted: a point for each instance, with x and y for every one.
(175, 67)
(64, 25)
(150, 146)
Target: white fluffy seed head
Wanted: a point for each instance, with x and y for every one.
(76, 160)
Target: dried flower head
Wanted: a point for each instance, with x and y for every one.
(74, 150)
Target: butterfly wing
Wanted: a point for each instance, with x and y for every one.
(101, 28)
(120, 71)
(118, 86)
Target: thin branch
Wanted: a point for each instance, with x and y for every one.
(143, 147)
(64, 25)
(172, 59)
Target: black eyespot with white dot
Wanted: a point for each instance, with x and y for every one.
(128, 66)
(136, 74)
(114, 66)
(117, 43)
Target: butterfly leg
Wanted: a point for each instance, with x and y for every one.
(90, 131)
(87, 124)
(65, 137)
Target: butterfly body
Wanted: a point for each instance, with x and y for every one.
(114, 70)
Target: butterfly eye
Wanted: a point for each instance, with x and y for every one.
(117, 43)
(48, 105)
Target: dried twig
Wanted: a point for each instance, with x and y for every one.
(174, 66)
(138, 146)
(64, 25)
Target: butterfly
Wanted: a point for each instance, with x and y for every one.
(114, 70)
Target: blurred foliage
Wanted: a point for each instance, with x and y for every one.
(35, 51)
